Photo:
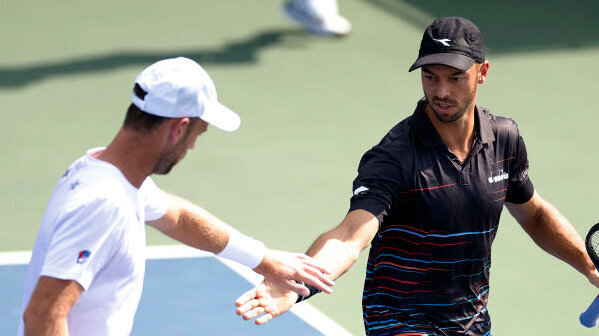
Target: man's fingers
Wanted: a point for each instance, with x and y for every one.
(247, 307)
(313, 263)
(318, 274)
(264, 318)
(311, 280)
(253, 313)
(245, 297)
(296, 287)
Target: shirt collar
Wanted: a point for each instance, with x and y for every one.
(428, 136)
(483, 128)
(423, 128)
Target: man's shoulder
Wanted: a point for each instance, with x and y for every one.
(497, 121)
(503, 128)
(392, 150)
(399, 135)
(91, 190)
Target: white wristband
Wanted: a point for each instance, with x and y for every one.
(243, 249)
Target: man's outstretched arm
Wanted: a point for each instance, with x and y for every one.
(337, 249)
(194, 226)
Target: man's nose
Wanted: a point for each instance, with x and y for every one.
(442, 90)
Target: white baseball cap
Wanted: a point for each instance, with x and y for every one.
(180, 88)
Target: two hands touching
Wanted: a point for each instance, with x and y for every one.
(290, 271)
(338, 248)
(285, 278)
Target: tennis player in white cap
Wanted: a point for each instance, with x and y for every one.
(87, 268)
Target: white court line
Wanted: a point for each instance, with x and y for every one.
(303, 310)
(15, 258)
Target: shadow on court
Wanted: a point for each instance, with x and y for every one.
(511, 25)
(244, 51)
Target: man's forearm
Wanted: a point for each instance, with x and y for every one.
(557, 236)
(193, 226)
(338, 256)
(339, 248)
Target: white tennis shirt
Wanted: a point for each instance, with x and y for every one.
(93, 232)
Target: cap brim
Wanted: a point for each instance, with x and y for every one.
(222, 117)
(453, 60)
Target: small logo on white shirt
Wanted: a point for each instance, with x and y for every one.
(75, 185)
(443, 42)
(360, 190)
(499, 177)
(83, 256)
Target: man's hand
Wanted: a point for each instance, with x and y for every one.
(266, 302)
(290, 270)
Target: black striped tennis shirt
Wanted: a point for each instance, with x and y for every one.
(428, 268)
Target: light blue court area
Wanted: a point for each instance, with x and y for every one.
(186, 292)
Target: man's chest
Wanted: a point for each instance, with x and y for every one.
(443, 193)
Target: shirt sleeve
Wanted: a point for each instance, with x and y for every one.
(520, 188)
(82, 242)
(378, 182)
(156, 200)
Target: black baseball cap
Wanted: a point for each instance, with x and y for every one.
(451, 41)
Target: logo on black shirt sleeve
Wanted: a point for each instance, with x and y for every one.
(360, 190)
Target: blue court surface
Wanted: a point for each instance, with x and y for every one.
(186, 292)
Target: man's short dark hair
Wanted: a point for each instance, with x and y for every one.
(139, 120)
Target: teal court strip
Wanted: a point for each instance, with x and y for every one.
(186, 292)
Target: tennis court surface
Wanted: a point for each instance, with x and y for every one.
(310, 108)
(186, 292)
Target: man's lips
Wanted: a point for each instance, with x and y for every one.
(443, 106)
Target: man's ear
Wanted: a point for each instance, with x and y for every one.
(178, 129)
(483, 71)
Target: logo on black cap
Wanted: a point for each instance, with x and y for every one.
(443, 42)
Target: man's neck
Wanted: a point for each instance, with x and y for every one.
(457, 135)
(129, 154)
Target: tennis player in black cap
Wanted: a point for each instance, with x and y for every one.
(428, 198)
